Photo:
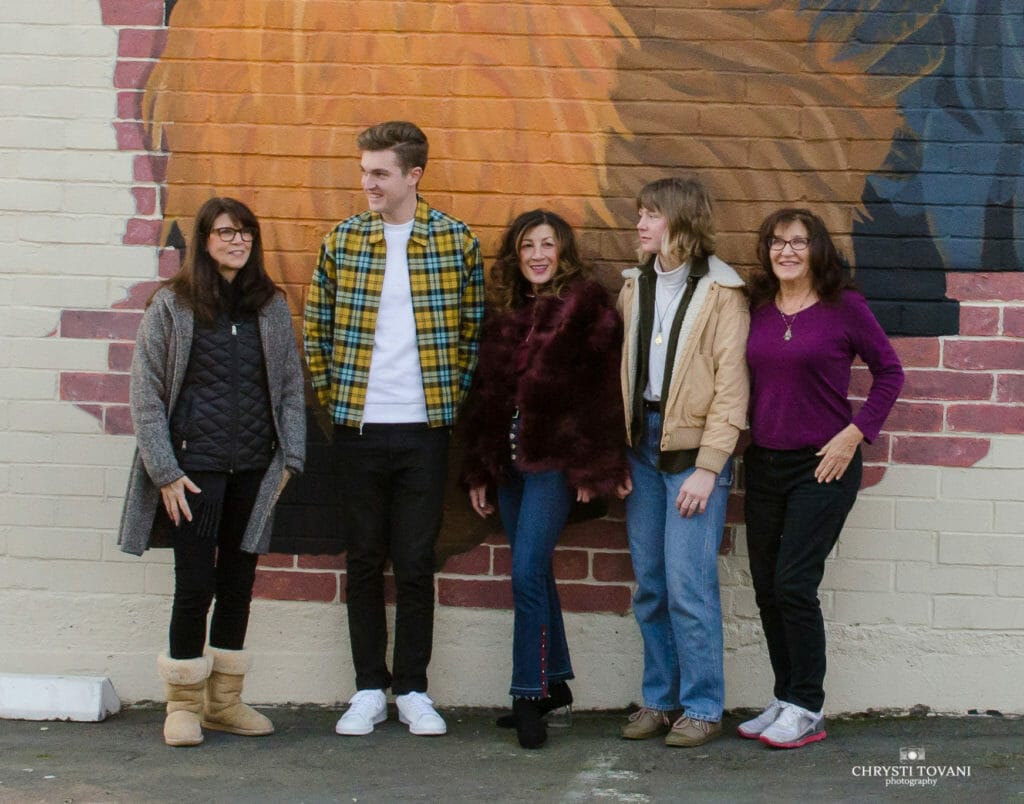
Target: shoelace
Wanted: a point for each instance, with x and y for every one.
(639, 713)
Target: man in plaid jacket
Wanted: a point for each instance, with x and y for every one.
(391, 329)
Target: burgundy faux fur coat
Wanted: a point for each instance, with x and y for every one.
(568, 393)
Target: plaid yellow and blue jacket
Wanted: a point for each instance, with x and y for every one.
(446, 278)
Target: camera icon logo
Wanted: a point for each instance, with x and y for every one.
(911, 753)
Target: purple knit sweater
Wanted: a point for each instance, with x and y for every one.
(799, 387)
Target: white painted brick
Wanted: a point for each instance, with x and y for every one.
(19, 383)
(982, 484)
(69, 354)
(6, 290)
(4, 414)
(858, 576)
(89, 134)
(78, 165)
(159, 579)
(855, 608)
(1009, 517)
(30, 196)
(892, 545)
(5, 478)
(96, 450)
(871, 512)
(130, 262)
(55, 102)
(81, 545)
(28, 511)
(27, 447)
(71, 576)
(1004, 451)
(23, 321)
(981, 548)
(30, 132)
(906, 481)
(86, 481)
(945, 579)
(64, 39)
(79, 229)
(96, 198)
(943, 515)
(81, 71)
(1010, 582)
(115, 481)
(52, 417)
(95, 512)
(58, 292)
(69, 12)
(974, 613)
(112, 552)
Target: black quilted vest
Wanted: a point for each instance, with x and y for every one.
(222, 420)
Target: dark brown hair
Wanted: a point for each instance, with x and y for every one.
(406, 139)
(511, 288)
(197, 283)
(829, 273)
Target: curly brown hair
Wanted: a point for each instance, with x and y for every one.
(830, 274)
(510, 288)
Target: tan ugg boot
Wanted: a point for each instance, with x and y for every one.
(185, 681)
(224, 708)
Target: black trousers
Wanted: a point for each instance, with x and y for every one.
(392, 479)
(209, 563)
(792, 524)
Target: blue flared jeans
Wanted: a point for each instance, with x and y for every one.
(677, 604)
(534, 509)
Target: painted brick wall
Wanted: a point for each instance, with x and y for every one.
(112, 135)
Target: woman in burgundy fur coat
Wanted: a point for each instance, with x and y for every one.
(544, 427)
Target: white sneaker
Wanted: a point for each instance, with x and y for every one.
(417, 710)
(794, 727)
(751, 729)
(365, 710)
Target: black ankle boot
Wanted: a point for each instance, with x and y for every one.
(530, 728)
(559, 695)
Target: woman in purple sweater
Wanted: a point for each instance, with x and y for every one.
(803, 468)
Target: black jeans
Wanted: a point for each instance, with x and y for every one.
(391, 489)
(792, 524)
(208, 563)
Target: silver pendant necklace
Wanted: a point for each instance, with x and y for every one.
(658, 337)
(789, 320)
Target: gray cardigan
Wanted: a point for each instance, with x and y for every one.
(162, 351)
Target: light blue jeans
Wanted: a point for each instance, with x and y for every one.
(677, 604)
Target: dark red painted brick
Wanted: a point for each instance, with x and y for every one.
(939, 450)
(139, 43)
(119, 356)
(917, 352)
(979, 320)
(117, 420)
(105, 324)
(150, 168)
(1010, 388)
(595, 597)
(612, 567)
(734, 508)
(597, 534)
(130, 136)
(132, 12)
(473, 562)
(321, 562)
(985, 419)
(971, 286)
(277, 561)
(131, 74)
(877, 451)
(81, 386)
(872, 476)
(946, 385)
(145, 200)
(169, 262)
(286, 585)
(571, 565)
(501, 562)
(728, 543)
(496, 594)
(1013, 321)
(984, 355)
(129, 105)
(141, 232)
(915, 417)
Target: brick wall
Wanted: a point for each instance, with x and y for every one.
(117, 127)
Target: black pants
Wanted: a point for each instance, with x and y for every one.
(392, 479)
(208, 563)
(792, 524)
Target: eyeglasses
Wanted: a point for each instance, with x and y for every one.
(797, 243)
(227, 234)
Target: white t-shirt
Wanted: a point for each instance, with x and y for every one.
(394, 393)
(668, 292)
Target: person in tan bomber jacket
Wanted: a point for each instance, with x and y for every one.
(685, 388)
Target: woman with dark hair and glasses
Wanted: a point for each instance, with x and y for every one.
(217, 401)
(544, 428)
(803, 467)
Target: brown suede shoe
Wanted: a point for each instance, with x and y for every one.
(645, 723)
(688, 732)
